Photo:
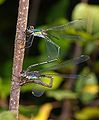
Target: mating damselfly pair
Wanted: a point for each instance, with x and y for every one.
(53, 51)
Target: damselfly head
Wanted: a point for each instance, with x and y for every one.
(23, 74)
(29, 30)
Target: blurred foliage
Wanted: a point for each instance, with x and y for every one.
(62, 94)
(41, 114)
(2, 1)
(29, 110)
(53, 15)
(44, 112)
(89, 12)
(7, 115)
(85, 89)
(88, 113)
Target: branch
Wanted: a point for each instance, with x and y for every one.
(18, 55)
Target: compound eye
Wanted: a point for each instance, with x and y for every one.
(31, 27)
(23, 73)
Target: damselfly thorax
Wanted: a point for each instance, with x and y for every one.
(55, 33)
(29, 76)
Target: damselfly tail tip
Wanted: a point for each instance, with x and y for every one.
(37, 93)
(86, 57)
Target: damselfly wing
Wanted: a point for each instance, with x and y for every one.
(36, 76)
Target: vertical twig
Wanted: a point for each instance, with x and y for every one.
(18, 55)
(68, 105)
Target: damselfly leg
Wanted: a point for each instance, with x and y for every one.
(36, 76)
(57, 32)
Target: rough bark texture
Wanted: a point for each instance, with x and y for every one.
(18, 55)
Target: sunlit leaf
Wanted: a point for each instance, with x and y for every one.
(88, 113)
(89, 48)
(88, 12)
(44, 112)
(2, 1)
(93, 89)
(90, 89)
(4, 88)
(87, 87)
(56, 80)
(62, 94)
(7, 115)
(22, 117)
(28, 110)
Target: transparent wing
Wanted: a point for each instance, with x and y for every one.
(52, 49)
(77, 24)
(69, 31)
(40, 92)
(69, 36)
(74, 61)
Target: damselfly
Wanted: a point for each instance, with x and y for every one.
(55, 33)
(29, 76)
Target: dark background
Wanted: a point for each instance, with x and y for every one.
(42, 13)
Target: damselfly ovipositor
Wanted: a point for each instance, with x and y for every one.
(55, 33)
(29, 76)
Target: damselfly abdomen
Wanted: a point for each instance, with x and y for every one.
(29, 76)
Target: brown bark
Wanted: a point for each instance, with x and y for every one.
(18, 55)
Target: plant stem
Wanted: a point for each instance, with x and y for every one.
(69, 105)
(18, 55)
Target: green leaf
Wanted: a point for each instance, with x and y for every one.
(56, 82)
(28, 110)
(89, 48)
(87, 88)
(7, 115)
(88, 113)
(90, 88)
(4, 88)
(62, 94)
(2, 1)
(88, 12)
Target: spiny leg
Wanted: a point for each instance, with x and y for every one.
(31, 37)
(42, 83)
(25, 81)
(34, 81)
(51, 80)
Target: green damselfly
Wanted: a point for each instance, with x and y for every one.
(29, 76)
(56, 33)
